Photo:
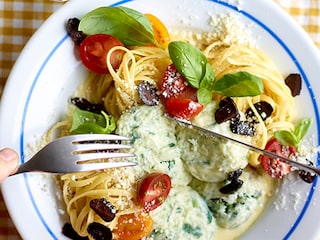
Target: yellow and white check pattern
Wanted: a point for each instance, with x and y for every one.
(20, 18)
(18, 21)
(306, 13)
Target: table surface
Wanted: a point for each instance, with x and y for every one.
(19, 20)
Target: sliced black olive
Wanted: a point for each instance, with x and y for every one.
(72, 29)
(232, 187)
(85, 105)
(148, 93)
(103, 208)
(263, 108)
(235, 174)
(99, 232)
(306, 176)
(69, 232)
(242, 128)
(294, 82)
(227, 110)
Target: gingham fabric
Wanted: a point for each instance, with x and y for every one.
(19, 19)
(306, 13)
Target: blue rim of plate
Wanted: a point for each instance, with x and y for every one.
(224, 4)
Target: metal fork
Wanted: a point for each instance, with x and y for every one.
(74, 154)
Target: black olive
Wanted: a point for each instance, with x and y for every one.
(263, 108)
(72, 29)
(148, 93)
(99, 232)
(242, 128)
(235, 174)
(103, 208)
(227, 110)
(294, 82)
(232, 187)
(85, 105)
(69, 232)
(306, 176)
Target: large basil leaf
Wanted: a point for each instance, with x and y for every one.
(129, 26)
(240, 84)
(189, 61)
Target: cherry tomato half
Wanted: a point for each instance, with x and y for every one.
(160, 31)
(174, 85)
(183, 108)
(153, 190)
(276, 168)
(94, 50)
(133, 226)
(180, 98)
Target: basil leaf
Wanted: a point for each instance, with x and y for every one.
(131, 27)
(240, 84)
(189, 61)
(205, 93)
(287, 138)
(302, 128)
(89, 122)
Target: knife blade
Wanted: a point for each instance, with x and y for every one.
(211, 133)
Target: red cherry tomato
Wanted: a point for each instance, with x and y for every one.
(276, 168)
(153, 190)
(94, 50)
(180, 98)
(183, 108)
(173, 83)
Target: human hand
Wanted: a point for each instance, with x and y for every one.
(8, 162)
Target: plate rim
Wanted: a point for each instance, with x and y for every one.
(71, 3)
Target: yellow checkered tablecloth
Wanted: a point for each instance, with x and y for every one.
(19, 19)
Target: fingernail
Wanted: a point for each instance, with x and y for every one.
(8, 154)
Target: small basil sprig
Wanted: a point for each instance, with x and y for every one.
(194, 67)
(89, 122)
(131, 27)
(293, 138)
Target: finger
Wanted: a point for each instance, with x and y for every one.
(8, 162)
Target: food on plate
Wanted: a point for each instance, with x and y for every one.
(186, 185)
(233, 209)
(221, 158)
(186, 215)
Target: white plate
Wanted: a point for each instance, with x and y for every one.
(47, 72)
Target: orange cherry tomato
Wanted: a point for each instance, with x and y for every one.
(160, 31)
(133, 226)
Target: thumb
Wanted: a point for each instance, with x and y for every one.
(8, 162)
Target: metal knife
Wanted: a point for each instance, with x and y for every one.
(207, 132)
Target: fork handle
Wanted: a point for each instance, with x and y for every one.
(25, 167)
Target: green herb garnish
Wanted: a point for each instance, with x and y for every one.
(240, 84)
(89, 122)
(289, 138)
(131, 27)
(194, 67)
